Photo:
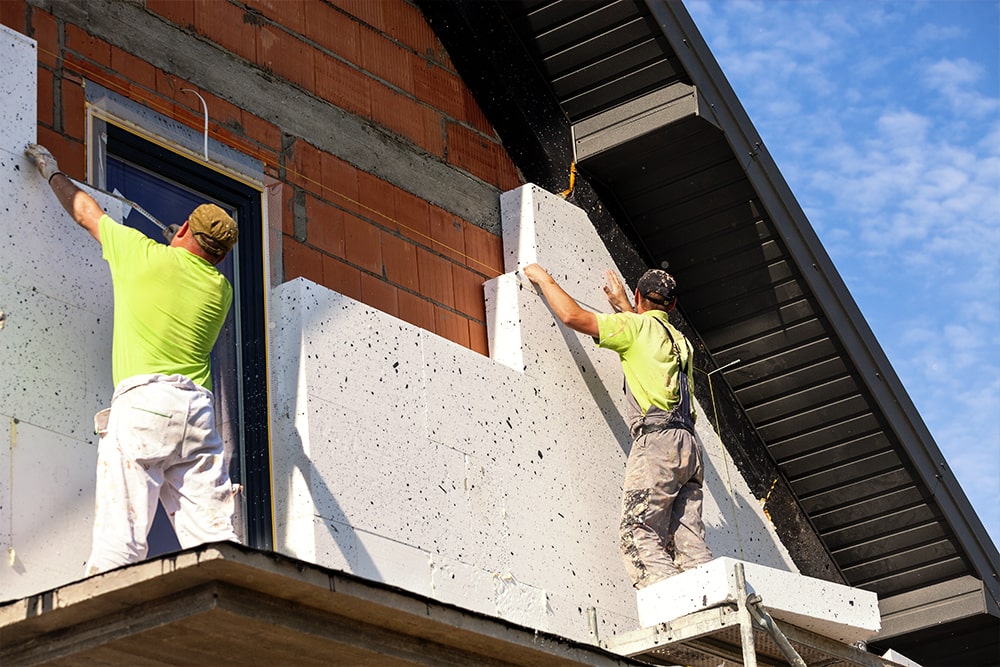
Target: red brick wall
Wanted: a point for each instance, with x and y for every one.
(377, 59)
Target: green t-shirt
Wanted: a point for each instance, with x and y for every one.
(648, 359)
(169, 306)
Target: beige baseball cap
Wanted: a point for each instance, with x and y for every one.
(214, 230)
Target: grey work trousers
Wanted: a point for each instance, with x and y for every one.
(661, 507)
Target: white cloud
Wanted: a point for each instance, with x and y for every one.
(939, 33)
(904, 128)
(952, 73)
(955, 80)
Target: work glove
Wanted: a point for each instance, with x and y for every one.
(43, 159)
(170, 231)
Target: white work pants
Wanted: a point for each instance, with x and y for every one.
(160, 445)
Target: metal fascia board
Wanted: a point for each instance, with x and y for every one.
(633, 119)
(826, 284)
(925, 607)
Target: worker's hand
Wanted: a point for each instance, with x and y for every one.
(43, 159)
(169, 232)
(536, 274)
(615, 291)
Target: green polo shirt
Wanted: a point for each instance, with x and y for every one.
(648, 359)
(169, 306)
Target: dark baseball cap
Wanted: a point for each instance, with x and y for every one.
(658, 286)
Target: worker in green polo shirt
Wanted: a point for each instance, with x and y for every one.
(661, 531)
(159, 441)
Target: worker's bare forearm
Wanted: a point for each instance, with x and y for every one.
(83, 208)
(563, 306)
(569, 312)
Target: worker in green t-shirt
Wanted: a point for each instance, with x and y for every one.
(661, 530)
(159, 441)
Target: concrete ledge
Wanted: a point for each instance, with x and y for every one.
(224, 604)
(839, 612)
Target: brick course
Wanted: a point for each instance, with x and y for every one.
(225, 23)
(369, 239)
(45, 30)
(73, 107)
(46, 97)
(181, 12)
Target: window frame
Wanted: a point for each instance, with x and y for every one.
(127, 141)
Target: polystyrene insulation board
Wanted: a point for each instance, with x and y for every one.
(833, 610)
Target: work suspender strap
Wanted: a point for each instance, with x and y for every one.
(655, 419)
(680, 416)
(677, 350)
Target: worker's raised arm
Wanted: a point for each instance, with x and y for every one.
(84, 210)
(565, 307)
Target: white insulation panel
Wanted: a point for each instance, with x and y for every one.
(494, 482)
(55, 343)
(840, 612)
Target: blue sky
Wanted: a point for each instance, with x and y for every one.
(884, 118)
